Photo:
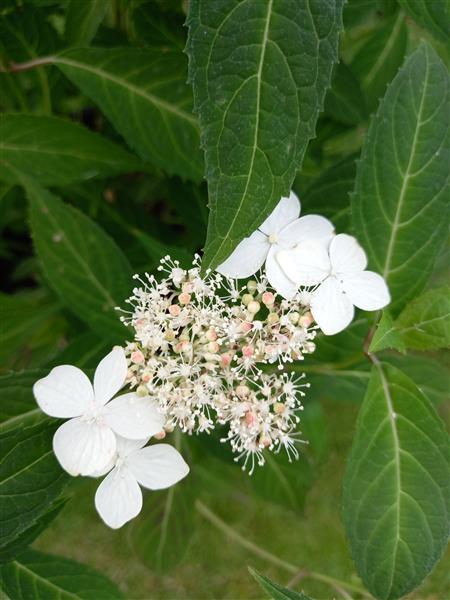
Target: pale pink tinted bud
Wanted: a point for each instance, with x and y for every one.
(137, 357)
(278, 408)
(265, 441)
(253, 307)
(250, 419)
(268, 298)
(211, 335)
(160, 436)
(174, 310)
(184, 298)
(245, 327)
(242, 391)
(225, 360)
(146, 377)
(247, 351)
(213, 347)
(306, 320)
(187, 287)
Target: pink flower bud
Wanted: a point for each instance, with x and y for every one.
(137, 357)
(225, 360)
(306, 320)
(247, 351)
(184, 298)
(250, 419)
(211, 335)
(245, 326)
(160, 436)
(174, 310)
(268, 298)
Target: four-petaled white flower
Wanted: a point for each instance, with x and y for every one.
(283, 229)
(87, 443)
(342, 280)
(119, 498)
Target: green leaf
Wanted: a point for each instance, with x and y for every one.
(396, 487)
(378, 61)
(11, 550)
(424, 324)
(84, 350)
(400, 192)
(433, 16)
(258, 91)
(82, 263)
(275, 591)
(345, 101)
(58, 152)
(36, 575)
(17, 404)
(30, 478)
(145, 96)
(157, 30)
(328, 195)
(160, 536)
(282, 482)
(386, 335)
(83, 20)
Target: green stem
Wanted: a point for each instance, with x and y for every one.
(264, 554)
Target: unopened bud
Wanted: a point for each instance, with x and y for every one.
(306, 319)
(268, 298)
(160, 436)
(252, 285)
(242, 391)
(170, 335)
(245, 326)
(265, 441)
(213, 347)
(253, 307)
(225, 359)
(174, 310)
(184, 298)
(272, 318)
(142, 391)
(294, 317)
(211, 335)
(250, 419)
(246, 299)
(247, 351)
(137, 357)
(278, 408)
(187, 287)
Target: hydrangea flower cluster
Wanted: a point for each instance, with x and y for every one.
(201, 344)
(209, 351)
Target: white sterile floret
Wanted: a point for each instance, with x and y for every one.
(86, 443)
(119, 498)
(283, 229)
(338, 278)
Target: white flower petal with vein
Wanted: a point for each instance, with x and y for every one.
(282, 230)
(119, 498)
(86, 444)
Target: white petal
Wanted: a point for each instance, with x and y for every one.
(110, 375)
(276, 277)
(118, 498)
(247, 258)
(66, 392)
(331, 308)
(346, 254)
(133, 417)
(307, 264)
(367, 290)
(126, 446)
(311, 227)
(286, 211)
(82, 447)
(157, 467)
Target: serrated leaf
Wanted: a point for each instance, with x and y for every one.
(329, 194)
(82, 263)
(378, 61)
(58, 152)
(161, 535)
(396, 486)
(276, 591)
(17, 404)
(400, 192)
(424, 323)
(35, 575)
(282, 482)
(83, 20)
(30, 478)
(258, 90)
(11, 550)
(345, 101)
(145, 96)
(433, 16)
(386, 335)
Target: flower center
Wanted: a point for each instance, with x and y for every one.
(273, 238)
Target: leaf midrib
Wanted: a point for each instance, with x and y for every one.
(46, 582)
(158, 102)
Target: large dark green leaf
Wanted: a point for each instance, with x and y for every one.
(161, 535)
(83, 20)
(429, 374)
(401, 186)
(17, 404)
(386, 335)
(396, 487)
(145, 96)
(378, 61)
(276, 591)
(345, 102)
(35, 576)
(155, 29)
(434, 15)
(82, 263)
(259, 72)
(58, 152)
(30, 478)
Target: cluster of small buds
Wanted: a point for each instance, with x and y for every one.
(202, 348)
